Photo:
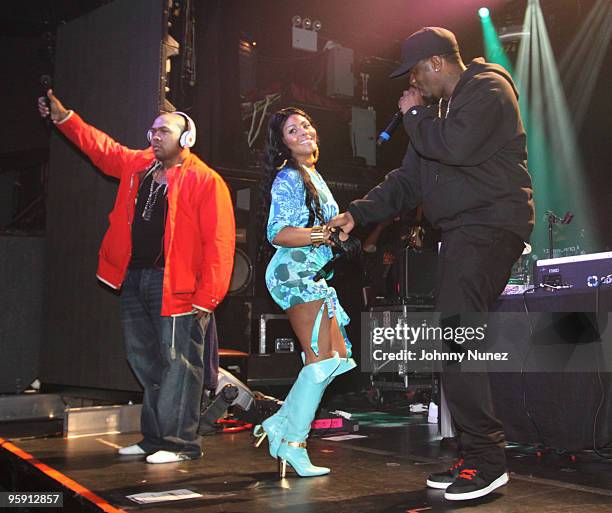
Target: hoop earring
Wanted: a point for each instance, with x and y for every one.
(316, 154)
(278, 168)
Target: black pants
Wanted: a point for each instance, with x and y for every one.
(474, 266)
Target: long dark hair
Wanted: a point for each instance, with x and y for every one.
(277, 156)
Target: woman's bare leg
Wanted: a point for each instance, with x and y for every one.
(302, 318)
(337, 340)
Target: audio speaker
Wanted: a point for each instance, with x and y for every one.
(238, 321)
(22, 274)
(242, 273)
(418, 271)
(273, 369)
(243, 190)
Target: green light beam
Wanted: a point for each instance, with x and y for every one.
(582, 62)
(494, 50)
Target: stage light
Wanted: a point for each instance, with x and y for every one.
(583, 60)
(316, 25)
(494, 48)
(230, 392)
(302, 35)
(555, 161)
(483, 12)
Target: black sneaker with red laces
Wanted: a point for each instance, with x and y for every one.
(472, 484)
(442, 480)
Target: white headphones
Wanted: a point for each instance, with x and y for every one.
(188, 137)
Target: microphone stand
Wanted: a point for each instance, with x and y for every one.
(553, 219)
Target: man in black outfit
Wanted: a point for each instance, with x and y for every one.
(466, 164)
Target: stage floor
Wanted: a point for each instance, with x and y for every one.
(382, 473)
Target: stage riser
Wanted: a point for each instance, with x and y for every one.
(100, 420)
(31, 406)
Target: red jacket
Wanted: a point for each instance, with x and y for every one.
(200, 230)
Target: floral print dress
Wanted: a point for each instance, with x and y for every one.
(290, 273)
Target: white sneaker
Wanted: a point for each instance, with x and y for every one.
(132, 450)
(169, 457)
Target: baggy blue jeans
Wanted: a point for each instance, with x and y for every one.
(167, 356)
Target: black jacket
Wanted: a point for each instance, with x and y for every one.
(469, 168)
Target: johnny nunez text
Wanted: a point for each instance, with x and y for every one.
(433, 355)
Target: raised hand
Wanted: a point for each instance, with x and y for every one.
(57, 111)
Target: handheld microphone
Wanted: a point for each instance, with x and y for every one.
(324, 272)
(47, 83)
(386, 134)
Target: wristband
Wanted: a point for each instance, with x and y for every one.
(317, 235)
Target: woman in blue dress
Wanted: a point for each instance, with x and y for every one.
(300, 205)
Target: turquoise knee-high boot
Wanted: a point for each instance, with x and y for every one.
(306, 396)
(274, 426)
(273, 429)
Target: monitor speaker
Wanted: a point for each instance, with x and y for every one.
(418, 272)
(242, 273)
(244, 192)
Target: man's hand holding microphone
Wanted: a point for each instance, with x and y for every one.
(51, 106)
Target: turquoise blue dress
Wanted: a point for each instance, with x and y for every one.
(290, 273)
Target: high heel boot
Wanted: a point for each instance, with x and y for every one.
(274, 426)
(305, 397)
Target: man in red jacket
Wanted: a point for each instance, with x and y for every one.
(170, 249)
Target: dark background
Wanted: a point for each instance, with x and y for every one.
(109, 72)
(374, 30)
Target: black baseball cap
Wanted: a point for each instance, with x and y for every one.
(425, 43)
